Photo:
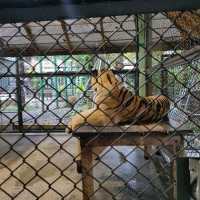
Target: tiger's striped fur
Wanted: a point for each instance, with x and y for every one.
(115, 104)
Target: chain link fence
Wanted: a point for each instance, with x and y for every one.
(45, 80)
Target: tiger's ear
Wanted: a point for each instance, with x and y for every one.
(94, 72)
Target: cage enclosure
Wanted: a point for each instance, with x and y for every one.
(146, 54)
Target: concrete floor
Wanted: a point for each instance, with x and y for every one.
(138, 174)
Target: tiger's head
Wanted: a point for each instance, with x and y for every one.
(104, 80)
(106, 86)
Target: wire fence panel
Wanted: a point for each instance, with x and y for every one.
(75, 119)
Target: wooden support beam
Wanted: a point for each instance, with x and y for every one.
(104, 39)
(14, 51)
(67, 39)
(30, 37)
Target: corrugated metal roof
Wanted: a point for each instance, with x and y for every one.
(88, 35)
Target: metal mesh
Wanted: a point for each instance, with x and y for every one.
(46, 68)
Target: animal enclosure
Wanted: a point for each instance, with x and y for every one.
(46, 65)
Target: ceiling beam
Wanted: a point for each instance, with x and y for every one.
(65, 31)
(161, 46)
(30, 37)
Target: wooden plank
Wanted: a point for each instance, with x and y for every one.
(154, 128)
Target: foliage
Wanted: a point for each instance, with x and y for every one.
(80, 87)
(85, 61)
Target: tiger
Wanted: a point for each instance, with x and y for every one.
(115, 104)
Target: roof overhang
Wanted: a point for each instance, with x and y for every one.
(12, 11)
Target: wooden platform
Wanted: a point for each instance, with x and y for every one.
(166, 135)
(161, 128)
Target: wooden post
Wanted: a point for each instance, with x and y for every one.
(183, 179)
(87, 175)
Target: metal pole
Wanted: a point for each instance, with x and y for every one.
(65, 78)
(56, 81)
(143, 54)
(140, 28)
(42, 86)
(183, 179)
(148, 56)
(19, 94)
(164, 77)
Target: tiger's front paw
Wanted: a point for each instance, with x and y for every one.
(73, 124)
(70, 127)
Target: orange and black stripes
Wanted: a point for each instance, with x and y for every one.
(128, 107)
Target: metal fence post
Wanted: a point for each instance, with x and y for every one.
(140, 28)
(143, 54)
(56, 82)
(19, 92)
(42, 85)
(183, 179)
(164, 77)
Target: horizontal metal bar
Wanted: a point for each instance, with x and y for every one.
(32, 133)
(69, 73)
(14, 52)
(24, 11)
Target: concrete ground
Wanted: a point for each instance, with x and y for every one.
(38, 161)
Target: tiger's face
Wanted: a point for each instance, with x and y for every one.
(104, 80)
